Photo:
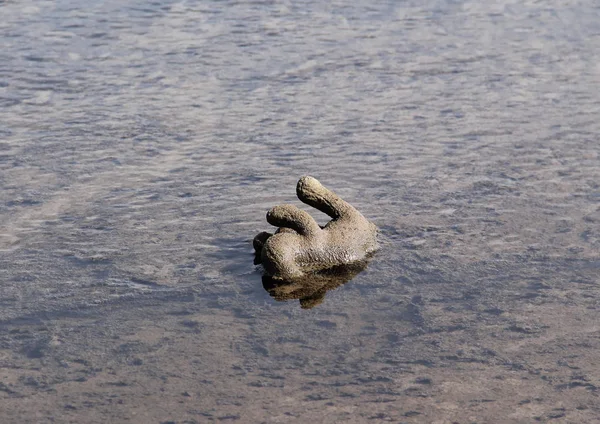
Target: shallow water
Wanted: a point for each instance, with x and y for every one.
(141, 144)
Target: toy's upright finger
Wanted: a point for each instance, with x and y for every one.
(313, 193)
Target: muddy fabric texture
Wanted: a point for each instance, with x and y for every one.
(301, 246)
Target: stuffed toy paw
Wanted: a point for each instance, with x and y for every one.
(300, 246)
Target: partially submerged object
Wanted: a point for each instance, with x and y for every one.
(300, 246)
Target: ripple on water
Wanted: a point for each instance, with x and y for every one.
(142, 144)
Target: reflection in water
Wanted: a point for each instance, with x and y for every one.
(311, 289)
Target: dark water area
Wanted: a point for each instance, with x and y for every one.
(141, 144)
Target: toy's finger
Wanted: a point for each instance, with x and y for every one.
(289, 216)
(313, 193)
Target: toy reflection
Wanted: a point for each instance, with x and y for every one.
(310, 289)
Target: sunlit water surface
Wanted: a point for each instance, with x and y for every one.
(141, 144)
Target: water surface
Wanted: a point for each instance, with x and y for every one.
(141, 144)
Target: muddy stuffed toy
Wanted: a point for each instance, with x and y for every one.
(300, 246)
